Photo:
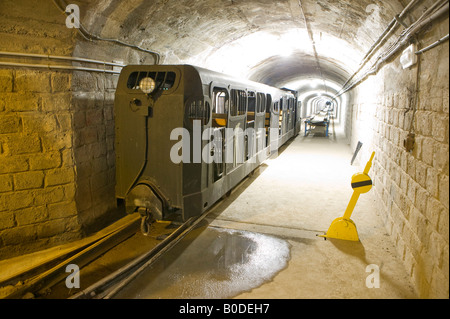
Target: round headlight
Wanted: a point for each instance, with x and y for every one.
(147, 85)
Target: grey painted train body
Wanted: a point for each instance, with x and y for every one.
(154, 130)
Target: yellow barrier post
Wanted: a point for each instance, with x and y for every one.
(343, 227)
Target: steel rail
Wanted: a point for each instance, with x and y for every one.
(42, 282)
(109, 286)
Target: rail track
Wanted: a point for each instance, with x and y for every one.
(35, 281)
(112, 284)
(109, 286)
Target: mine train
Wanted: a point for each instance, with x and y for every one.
(154, 101)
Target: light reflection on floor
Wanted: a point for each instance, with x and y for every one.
(212, 263)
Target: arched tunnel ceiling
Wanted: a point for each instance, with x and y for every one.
(263, 40)
(279, 71)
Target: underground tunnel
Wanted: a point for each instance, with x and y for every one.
(379, 68)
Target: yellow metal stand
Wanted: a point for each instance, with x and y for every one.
(343, 227)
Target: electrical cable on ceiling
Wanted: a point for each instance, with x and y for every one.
(416, 96)
(90, 37)
(435, 44)
(435, 11)
(311, 38)
(381, 39)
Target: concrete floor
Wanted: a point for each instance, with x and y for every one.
(273, 219)
(261, 243)
(295, 197)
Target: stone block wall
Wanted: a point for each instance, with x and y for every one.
(37, 176)
(94, 156)
(413, 187)
(56, 134)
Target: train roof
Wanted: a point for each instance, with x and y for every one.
(207, 76)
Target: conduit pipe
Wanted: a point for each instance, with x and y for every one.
(413, 29)
(389, 28)
(401, 41)
(311, 38)
(58, 67)
(392, 25)
(57, 57)
(90, 37)
(435, 44)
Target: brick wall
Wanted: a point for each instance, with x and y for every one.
(413, 188)
(94, 155)
(56, 134)
(37, 186)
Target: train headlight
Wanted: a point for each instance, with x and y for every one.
(147, 85)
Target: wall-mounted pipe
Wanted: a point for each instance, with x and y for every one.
(57, 67)
(391, 26)
(435, 44)
(429, 16)
(57, 57)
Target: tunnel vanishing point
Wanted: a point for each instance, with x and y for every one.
(384, 64)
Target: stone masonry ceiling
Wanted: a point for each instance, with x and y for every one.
(265, 40)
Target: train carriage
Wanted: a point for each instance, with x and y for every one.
(185, 136)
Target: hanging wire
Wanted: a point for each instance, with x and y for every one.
(91, 37)
(311, 38)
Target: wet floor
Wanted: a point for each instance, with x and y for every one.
(211, 263)
(231, 258)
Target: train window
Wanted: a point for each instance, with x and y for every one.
(269, 103)
(220, 101)
(261, 103)
(164, 80)
(170, 80)
(132, 80)
(251, 102)
(238, 102)
(160, 76)
(199, 110)
(276, 107)
(220, 107)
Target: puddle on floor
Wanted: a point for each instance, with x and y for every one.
(211, 263)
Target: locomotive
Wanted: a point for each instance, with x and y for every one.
(185, 136)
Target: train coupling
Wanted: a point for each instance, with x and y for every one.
(147, 220)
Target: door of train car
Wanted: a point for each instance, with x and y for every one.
(274, 125)
(260, 118)
(290, 112)
(251, 127)
(220, 108)
(255, 129)
(268, 118)
(198, 112)
(235, 143)
(298, 118)
(285, 116)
